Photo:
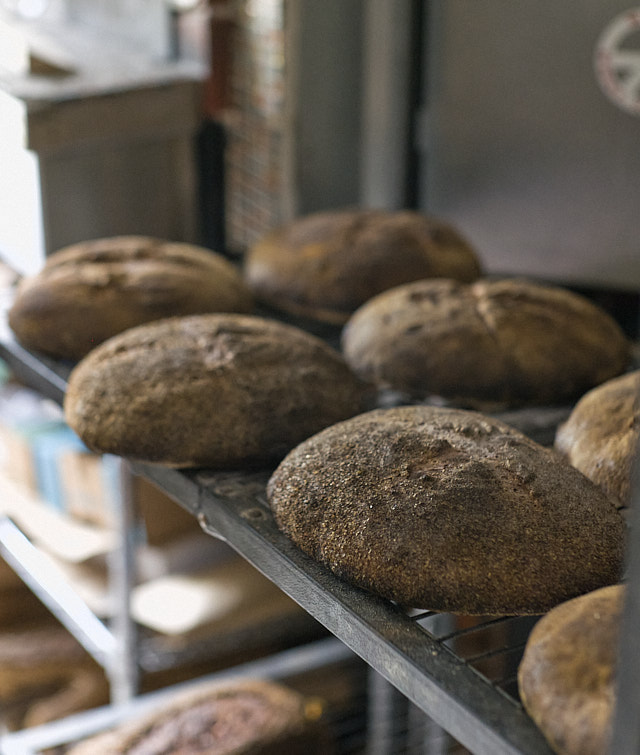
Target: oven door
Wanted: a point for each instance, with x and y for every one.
(530, 134)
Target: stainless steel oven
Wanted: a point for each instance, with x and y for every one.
(529, 134)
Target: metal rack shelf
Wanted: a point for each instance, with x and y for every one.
(278, 667)
(124, 650)
(462, 675)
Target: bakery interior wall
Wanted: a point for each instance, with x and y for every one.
(104, 102)
(291, 112)
(98, 119)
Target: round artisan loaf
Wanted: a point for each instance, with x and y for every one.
(325, 265)
(447, 510)
(251, 717)
(208, 390)
(600, 436)
(491, 343)
(567, 674)
(45, 674)
(88, 292)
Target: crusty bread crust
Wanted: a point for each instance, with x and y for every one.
(567, 674)
(90, 291)
(491, 343)
(600, 437)
(447, 510)
(209, 390)
(249, 717)
(326, 264)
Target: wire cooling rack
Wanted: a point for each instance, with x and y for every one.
(459, 671)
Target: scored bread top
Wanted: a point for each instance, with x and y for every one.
(209, 390)
(90, 291)
(488, 344)
(326, 264)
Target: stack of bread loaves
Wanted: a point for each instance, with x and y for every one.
(441, 509)
(204, 383)
(445, 509)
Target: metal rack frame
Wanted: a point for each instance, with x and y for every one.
(423, 667)
(279, 666)
(418, 653)
(403, 648)
(113, 647)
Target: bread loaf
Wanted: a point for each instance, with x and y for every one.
(600, 437)
(447, 510)
(567, 674)
(209, 390)
(486, 345)
(90, 291)
(239, 718)
(45, 674)
(326, 264)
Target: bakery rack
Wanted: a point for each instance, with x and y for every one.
(460, 672)
(281, 666)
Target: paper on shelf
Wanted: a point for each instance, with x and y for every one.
(61, 535)
(178, 604)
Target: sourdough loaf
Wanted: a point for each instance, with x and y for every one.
(485, 345)
(326, 264)
(45, 674)
(567, 674)
(209, 390)
(252, 717)
(447, 510)
(89, 291)
(600, 436)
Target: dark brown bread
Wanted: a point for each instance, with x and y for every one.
(88, 292)
(239, 718)
(600, 437)
(209, 390)
(46, 674)
(447, 510)
(325, 265)
(567, 674)
(489, 344)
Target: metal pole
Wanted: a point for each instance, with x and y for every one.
(385, 122)
(53, 589)
(123, 670)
